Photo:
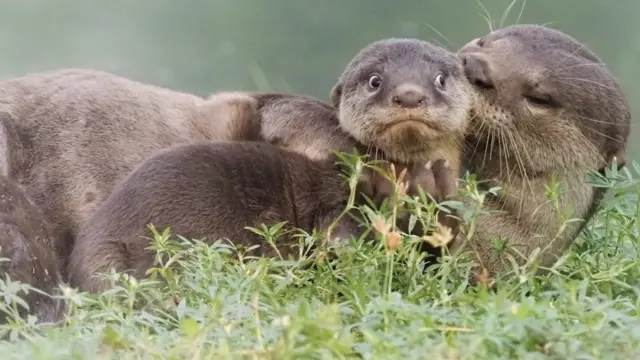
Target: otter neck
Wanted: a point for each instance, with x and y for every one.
(511, 153)
(526, 178)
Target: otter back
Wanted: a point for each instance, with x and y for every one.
(207, 191)
(69, 135)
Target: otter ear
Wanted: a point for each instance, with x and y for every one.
(336, 94)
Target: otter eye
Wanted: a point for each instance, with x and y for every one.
(439, 83)
(540, 100)
(375, 81)
(480, 42)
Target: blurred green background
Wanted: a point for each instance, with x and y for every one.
(285, 45)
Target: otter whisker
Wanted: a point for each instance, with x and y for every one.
(526, 182)
(480, 127)
(502, 153)
(490, 146)
(591, 82)
(571, 84)
(605, 135)
(524, 2)
(506, 12)
(440, 44)
(518, 144)
(597, 121)
(573, 53)
(442, 36)
(486, 145)
(486, 16)
(601, 64)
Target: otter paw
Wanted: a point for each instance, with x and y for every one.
(437, 179)
(434, 178)
(376, 185)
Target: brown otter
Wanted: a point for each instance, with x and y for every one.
(546, 106)
(408, 98)
(213, 190)
(69, 135)
(26, 241)
(405, 100)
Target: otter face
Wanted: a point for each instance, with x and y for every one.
(405, 97)
(543, 100)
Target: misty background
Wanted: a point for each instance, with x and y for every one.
(298, 46)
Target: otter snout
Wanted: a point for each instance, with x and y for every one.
(408, 96)
(477, 70)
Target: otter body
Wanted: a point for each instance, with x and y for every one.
(214, 190)
(26, 241)
(69, 135)
(545, 107)
(208, 191)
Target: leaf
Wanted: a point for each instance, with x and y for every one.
(190, 327)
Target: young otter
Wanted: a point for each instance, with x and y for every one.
(25, 240)
(405, 100)
(211, 190)
(406, 97)
(546, 106)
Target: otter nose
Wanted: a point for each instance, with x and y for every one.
(408, 96)
(476, 70)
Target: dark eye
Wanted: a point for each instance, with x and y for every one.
(439, 82)
(540, 100)
(480, 42)
(375, 81)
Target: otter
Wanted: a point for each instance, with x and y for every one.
(213, 190)
(545, 107)
(404, 101)
(26, 241)
(406, 97)
(68, 135)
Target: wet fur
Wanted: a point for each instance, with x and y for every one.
(25, 239)
(519, 145)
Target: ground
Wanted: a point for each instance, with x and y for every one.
(372, 302)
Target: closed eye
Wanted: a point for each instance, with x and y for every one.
(541, 100)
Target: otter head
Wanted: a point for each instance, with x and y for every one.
(544, 102)
(405, 97)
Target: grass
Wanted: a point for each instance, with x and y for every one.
(374, 301)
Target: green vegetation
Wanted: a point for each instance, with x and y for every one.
(373, 301)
